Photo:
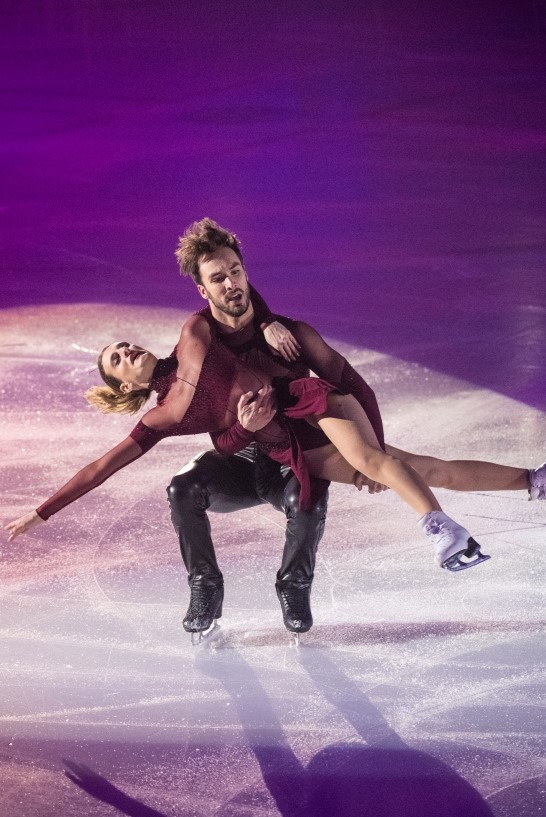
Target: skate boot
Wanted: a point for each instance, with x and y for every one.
(452, 543)
(296, 608)
(205, 607)
(537, 482)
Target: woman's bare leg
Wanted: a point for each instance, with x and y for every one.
(464, 475)
(349, 429)
(347, 426)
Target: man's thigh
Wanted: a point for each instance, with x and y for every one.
(230, 482)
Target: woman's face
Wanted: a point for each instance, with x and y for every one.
(129, 363)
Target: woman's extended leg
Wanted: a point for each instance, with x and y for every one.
(347, 426)
(464, 475)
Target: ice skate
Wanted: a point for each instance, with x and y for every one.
(207, 635)
(205, 608)
(454, 547)
(296, 609)
(537, 482)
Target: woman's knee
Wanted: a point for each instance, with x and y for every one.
(434, 472)
(374, 462)
(438, 473)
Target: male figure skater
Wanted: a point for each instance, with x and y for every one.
(212, 256)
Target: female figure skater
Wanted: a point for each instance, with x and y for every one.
(301, 421)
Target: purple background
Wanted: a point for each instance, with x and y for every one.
(382, 162)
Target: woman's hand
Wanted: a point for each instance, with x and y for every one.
(22, 525)
(282, 341)
(255, 411)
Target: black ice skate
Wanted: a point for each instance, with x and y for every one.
(205, 608)
(296, 609)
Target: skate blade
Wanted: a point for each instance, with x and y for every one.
(204, 635)
(472, 555)
(294, 639)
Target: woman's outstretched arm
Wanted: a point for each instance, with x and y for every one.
(81, 483)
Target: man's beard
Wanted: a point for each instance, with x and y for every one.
(233, 308)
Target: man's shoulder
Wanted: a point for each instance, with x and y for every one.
(288, 322)
(297, 326)
(197, 321)
(197, 326)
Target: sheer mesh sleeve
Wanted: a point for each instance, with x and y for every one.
(333, 367)
(233, 439)
(262, 312)
(91, 476)
(354, 384)
(146, 437)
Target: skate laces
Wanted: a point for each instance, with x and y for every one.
(296, 601)
(202, 597)
(440, 530)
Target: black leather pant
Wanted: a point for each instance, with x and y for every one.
(223, 484)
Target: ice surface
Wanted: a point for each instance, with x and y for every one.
(411, 679)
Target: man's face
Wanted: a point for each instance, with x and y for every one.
(223, 282)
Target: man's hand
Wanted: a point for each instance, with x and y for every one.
(255, 411)
(282, 341)
(22, 525)
(373, 487)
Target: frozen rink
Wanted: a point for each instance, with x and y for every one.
(416, 692)
(383, 164)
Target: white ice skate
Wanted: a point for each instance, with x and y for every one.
(454, 547)
(537, 480)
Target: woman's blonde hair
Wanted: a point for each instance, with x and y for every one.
(110, 399)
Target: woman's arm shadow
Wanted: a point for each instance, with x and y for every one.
(101, 789)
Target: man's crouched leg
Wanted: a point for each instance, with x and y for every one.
(222, 484)
(189, 498)
(304, 531)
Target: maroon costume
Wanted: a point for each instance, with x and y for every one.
(284, 439)
(281, 440)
